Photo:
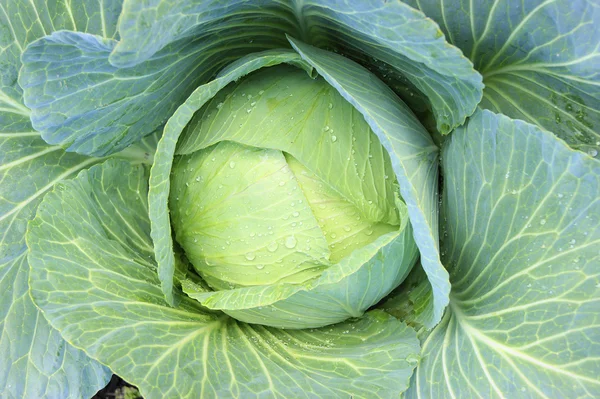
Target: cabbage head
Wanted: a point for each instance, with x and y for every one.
(284, 193)
(300, 198)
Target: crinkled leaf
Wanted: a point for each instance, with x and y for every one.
(539, 60)
(413, 155)
(522, 214)
(96, 282)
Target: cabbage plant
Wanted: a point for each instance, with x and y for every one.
(300, 198)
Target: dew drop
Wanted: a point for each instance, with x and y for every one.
(232, 164)
(333, 235)
(330, 106)
(295, 214)
(290, 242)
(412, 358)
(347, 228)
(250, 256)
(260, 267)
(369, 232)
(543, 222)
(333, 139)
(272, 247)
(593, 153)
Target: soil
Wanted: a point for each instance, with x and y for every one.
(118, 388)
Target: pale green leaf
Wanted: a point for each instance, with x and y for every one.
(522, 216)
(413, 155)
(97, 285)
(539, 60)
(236, 222)
(284, 108)
(161, 169)
(344, 290)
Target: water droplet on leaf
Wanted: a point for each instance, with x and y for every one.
(290, 242)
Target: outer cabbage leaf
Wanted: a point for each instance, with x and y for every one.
(21, 23)
(95, 278)
(539, 60)
(81, 101)
(412, 152)
(394, 34)
(35, 361)
(522, 217)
